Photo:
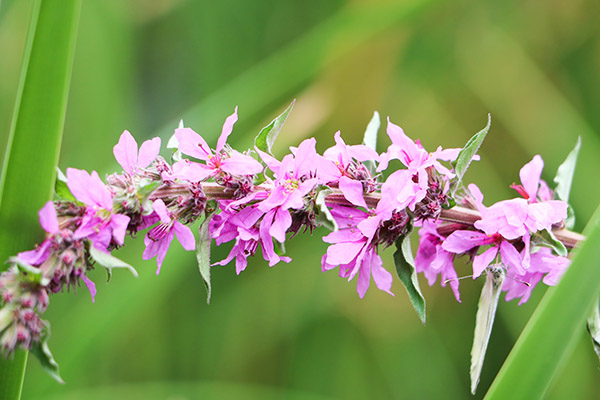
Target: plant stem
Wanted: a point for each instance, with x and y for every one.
(461, 215)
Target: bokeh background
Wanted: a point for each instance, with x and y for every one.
(436, 68)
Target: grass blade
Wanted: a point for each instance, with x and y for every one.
(554, 328)
(29, 168)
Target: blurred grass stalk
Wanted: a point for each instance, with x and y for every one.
(555, 327)
(29, 169)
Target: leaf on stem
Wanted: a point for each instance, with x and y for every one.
(60, 187)
(547, 238)
(370, 138)
(266, 137)
(109, 261)
(467, 154)
(323, 216)
(43, 354)
(203, 250)
(405, 267)
(593, 327)
(564, 179)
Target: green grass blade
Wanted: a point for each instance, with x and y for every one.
(554, 328)
(29, 168)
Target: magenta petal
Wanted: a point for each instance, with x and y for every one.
(119, 223)
(227, 128)
(161, 210)
(483, 260)
(90, 285)
(343, 253)
(281, 223)
(38, 255)
(148, 152)
(48, 219)
(511, 257)
(462, 241)
(477, 196)
(192, 144)
(530, 176)
(352, 191)
(382, 277)
(364, 279)
(78, 183)
(185, 236)
(241, 164)
(272, 162)
(126, 152)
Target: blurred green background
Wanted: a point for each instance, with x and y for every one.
(293, 332)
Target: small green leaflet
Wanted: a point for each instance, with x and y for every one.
(370, 138)
(323, 215)
(593, 327)
(266, 137)
(546, 238)
(43, 354)
(174, 144)
(108, 261)
(486, 312)
(469, 151)
(564, 179)
(60, 186)
(203, 251)
(405, 268)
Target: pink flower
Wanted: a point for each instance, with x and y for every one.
(433, 260)
(224, 159)
(49, 222)
(99, 224)
(159, 238)
(352, 177)
(355, 253)
(126, 152)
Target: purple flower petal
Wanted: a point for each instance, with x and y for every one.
(461, 241)
(148, 152)
(483, 260)
(118, 224)
(227, 129)
(90, 285)
(511, 257)
(185, 236)
(530, 176)
(126, 152)
(192, 144)
(48, 219)
(381, 276)
(352, 191)
(241, 164)
(281, 223)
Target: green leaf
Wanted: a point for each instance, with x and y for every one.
(469, 151)
(109, 261)
(33, 274)
(60, 187)
(405, 267)
(322, 214)
(593, 327)
(546, 238)
(555, 327)
(36, 128)
(370, 138)
(266, 137)
(565, 173)
(203, 254)
(43, 354)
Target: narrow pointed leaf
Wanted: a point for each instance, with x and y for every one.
(470, 150)
(323, 215)
(547, 238)
(109, 261)
(43, 354)
(370, 138)
(405, 267)
(593, 326)
(203, 255)
(36, 129)
(565, 173)
(552, 331)
(266, 137)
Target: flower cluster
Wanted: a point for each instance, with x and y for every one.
(255, 200)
